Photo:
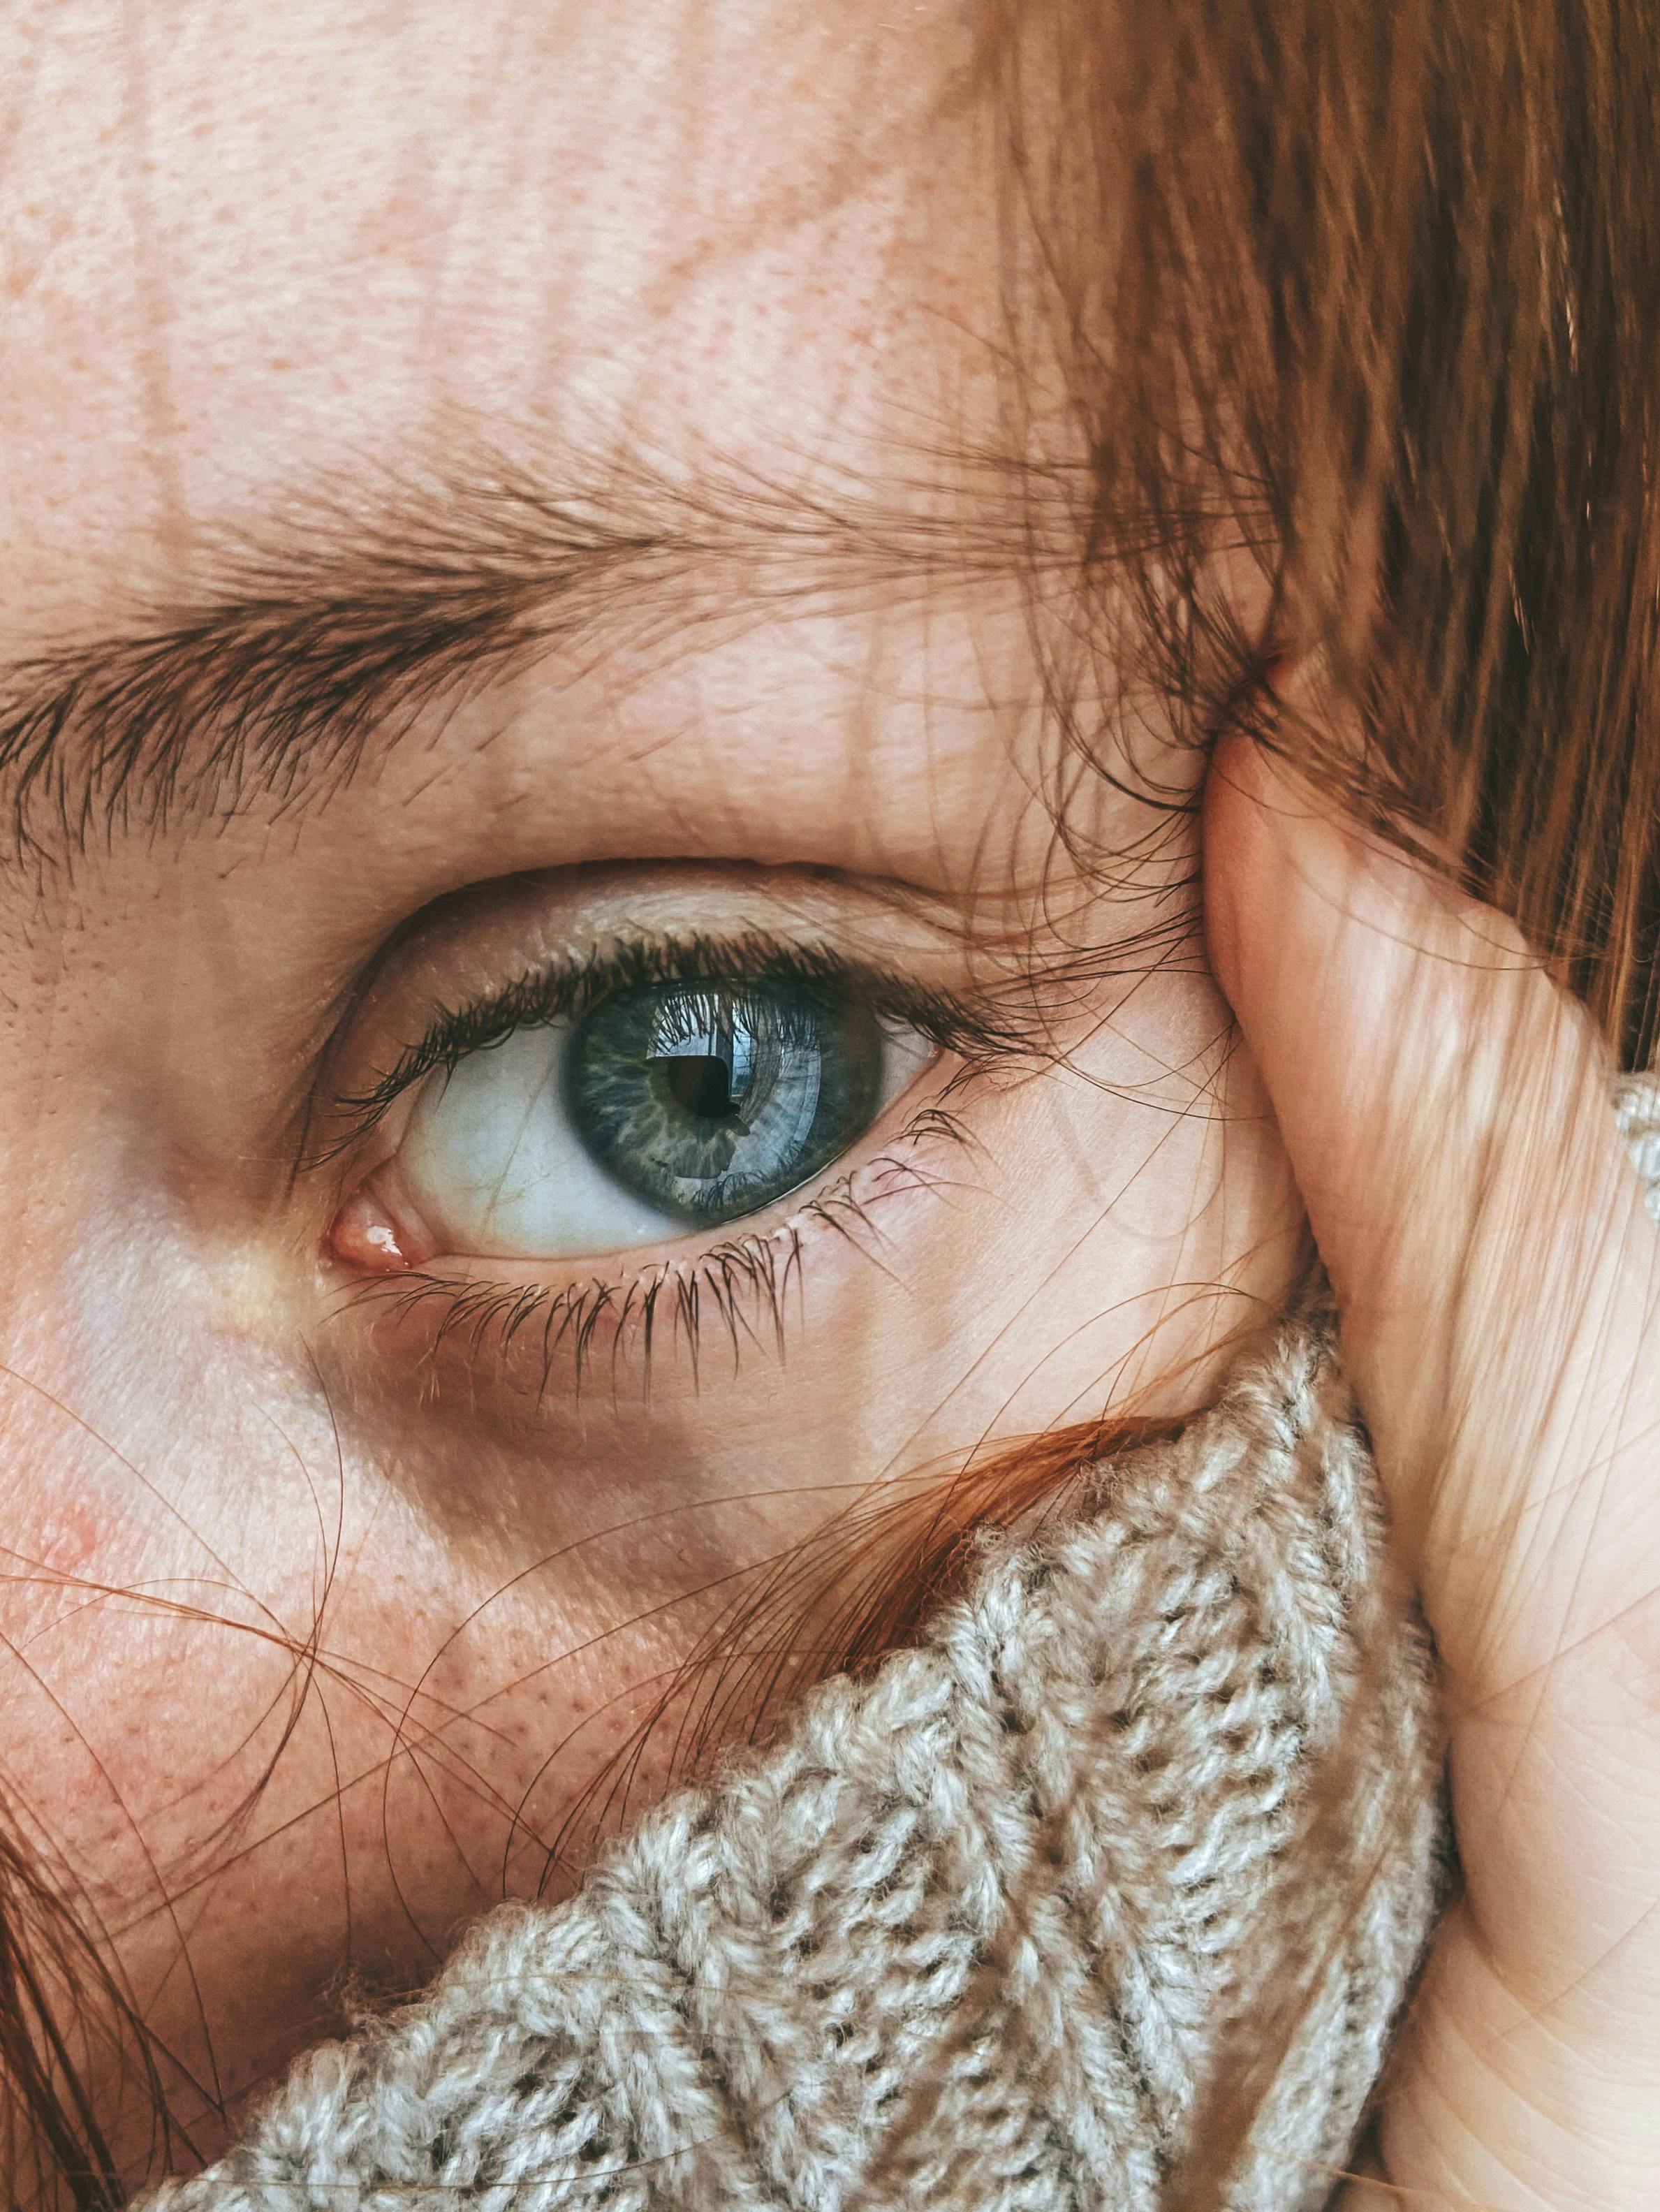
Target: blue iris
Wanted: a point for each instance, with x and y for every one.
(710, 1099)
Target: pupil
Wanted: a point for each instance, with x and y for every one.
(703, 1085)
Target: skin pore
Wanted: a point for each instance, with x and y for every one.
(322, 1604)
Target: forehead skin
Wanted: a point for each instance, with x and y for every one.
(253, 253)
(236, 234)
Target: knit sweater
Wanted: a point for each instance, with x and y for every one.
(1011, 1924)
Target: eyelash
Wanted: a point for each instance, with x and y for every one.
(570, 990)
(742, 1281)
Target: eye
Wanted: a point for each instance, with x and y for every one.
(664, 1109)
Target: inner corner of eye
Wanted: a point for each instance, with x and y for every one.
(367, 1232)
(667, 1109)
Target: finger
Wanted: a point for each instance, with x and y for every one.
(1446, 1110)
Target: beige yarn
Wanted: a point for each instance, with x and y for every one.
(990, 1930)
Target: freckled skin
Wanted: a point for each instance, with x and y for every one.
(316, 1626)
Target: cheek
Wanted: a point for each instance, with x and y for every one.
(58, 1533)
(276, 1726)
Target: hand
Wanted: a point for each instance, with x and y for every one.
(1446, 1111)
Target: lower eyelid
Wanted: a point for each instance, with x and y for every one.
(538, 1336)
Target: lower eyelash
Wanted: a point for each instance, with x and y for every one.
(741, 1283)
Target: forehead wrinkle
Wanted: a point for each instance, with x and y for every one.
(326, 631)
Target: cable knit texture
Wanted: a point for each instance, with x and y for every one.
(992, 1927)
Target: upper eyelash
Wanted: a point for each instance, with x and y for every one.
(567, 990)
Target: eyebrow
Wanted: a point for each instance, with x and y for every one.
(322, 643)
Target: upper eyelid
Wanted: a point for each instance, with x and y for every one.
(963, 1023)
